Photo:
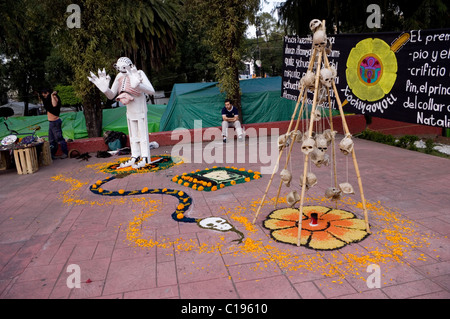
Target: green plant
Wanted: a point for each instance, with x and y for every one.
(429, 144)
(67, 95)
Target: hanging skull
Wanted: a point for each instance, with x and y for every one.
(317, 116)
(329, 135)
(311, 180)
(327, 77)
(308, 145)
(292, 198)
(333, 193)
(315, 24)
(296, 136)
(308, 80)
(319, 39)
(283, 141)
(346, 188)
(317, 157)
(321, 143)
(220, 224)
(346, 144)
(286, 177)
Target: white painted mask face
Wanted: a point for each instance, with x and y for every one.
(216, 223)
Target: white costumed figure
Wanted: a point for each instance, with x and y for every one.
(129, 86)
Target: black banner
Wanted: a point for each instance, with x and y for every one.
(403, 76)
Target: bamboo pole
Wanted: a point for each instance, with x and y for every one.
(302, 89)
(305, 166)
(310, 67)
(333, 146)
(288, 157)
(355, 162)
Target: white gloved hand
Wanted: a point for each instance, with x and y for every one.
(135, 76)
(102, 81)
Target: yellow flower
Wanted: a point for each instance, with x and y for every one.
(186, 184)
(100, 190)
(180, 206)
(180, 193)
(371, 69)
(180, 181)
(194, 186)
(145, 189)
(174, 179)
(98, 182)
(214, 188)
(180, 215)
(233, 182)
(121, 191)
(200, 188)
(222, 185)
(94, 186)
(247, 179)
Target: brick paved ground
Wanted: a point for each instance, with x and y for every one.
(50, 220)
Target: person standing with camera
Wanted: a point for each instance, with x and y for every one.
(52, 104)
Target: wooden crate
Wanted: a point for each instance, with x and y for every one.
(46, 156)
(26, 160)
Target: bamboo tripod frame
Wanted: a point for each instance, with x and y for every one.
(302, 96)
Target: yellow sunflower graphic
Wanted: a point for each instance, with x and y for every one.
(323, 228)
(371, 69)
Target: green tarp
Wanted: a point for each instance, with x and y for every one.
(261, 102)
(74, 123)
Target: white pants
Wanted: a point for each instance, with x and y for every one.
(138, 134)
(236, 125)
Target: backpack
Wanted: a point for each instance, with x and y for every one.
(115, 140)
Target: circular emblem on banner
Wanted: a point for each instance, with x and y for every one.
(371, 69)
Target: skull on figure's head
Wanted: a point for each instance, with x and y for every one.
(122, 64)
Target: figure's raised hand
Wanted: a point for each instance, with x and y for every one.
(134, 75)
(101, 81)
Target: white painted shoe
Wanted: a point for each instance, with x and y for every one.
(128, 163)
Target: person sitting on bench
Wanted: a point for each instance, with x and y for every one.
(230, 118)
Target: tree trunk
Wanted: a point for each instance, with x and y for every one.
(93, 114)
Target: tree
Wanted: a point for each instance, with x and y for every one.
(225, 23)
(350, 16)
(25, 44)
(268, 46)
